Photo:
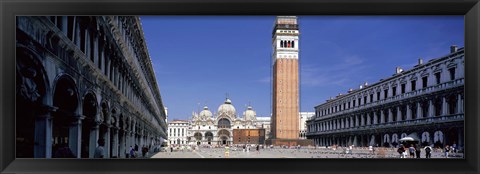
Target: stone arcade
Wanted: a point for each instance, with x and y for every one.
(426, 101)
(84, 78)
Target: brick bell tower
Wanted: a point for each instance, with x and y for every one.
(285, 120)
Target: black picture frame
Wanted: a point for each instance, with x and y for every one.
(10, 9)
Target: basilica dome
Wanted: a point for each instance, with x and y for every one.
(205, 114)
(249, 114)
(227, 109)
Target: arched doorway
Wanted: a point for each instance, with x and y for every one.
(425, 139)
(89, 111)
(31, 89)
(386, 140)
(65, 99)
(198, 137)
(438, 139)
(209, 137)
(223, 140)
(394, 140)
(224, 136)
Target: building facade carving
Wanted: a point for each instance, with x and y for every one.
(426, 101)
(82, 78)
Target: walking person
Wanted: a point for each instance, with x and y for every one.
(99, 151)
(428, 151)
(447, 149)
(417, 151)
(258, 149)
(401, 151)
(132, 152)
(411, 150)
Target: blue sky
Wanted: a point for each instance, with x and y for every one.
(198, 59)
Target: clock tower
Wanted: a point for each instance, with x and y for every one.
(285, 100)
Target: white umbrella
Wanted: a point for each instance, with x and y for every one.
(407, 139)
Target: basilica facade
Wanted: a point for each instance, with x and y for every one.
(207, 128)
(80, 79)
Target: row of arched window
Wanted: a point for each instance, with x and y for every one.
(287, 44)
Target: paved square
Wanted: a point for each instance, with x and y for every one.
(292, 153)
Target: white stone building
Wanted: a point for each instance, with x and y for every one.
(177, 132)
(303, 117)
(426, 101)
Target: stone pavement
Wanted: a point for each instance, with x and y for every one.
(290, 153)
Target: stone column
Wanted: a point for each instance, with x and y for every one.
(106, 148)
(409, 112)
(431, 109)
(419, 110)
(115, 142)
(399, 114)
(459, 104)
(64, 25)
(75, 137)
(382, 116)
(351, 121)
(375, 118)
(94, 136)
(390, 115)
(356, 121)
(444, 106)
(77, 32)
(369, 120)
(347, 122)
(43, 136)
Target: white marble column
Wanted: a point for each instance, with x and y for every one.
(382, 116)
(369, 120)
(419, 110)
(409, 112)
(444, 106)
(431, 110)
(362, 120)
(375, 118)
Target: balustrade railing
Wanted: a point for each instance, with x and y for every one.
(404, 96)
